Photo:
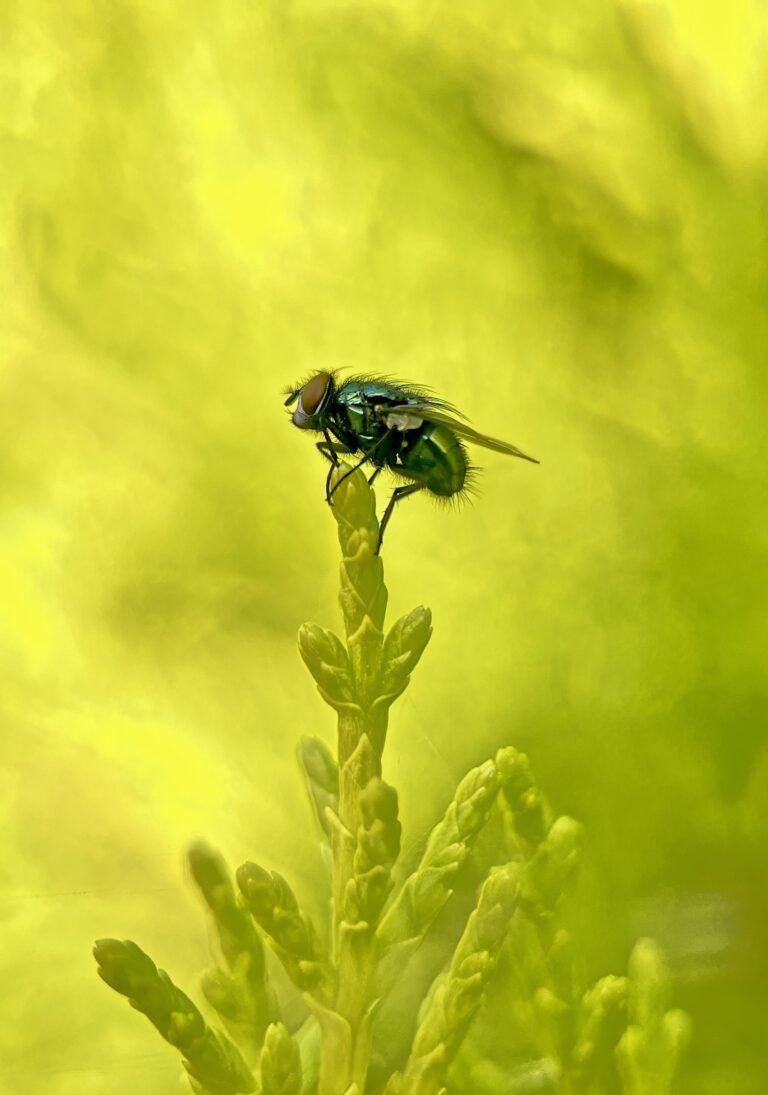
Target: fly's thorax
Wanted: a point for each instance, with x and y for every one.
(357, 425)
(360, 409)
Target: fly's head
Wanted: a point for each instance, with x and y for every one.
(312, 399)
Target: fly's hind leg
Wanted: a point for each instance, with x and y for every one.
(397, 495)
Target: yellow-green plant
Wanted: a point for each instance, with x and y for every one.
(580, 1041)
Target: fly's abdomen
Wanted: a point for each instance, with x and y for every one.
(435, 457)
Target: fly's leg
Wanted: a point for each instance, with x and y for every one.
(372, 477)
(331, 450)
(346, 475)
(397, 495)
(368, 456)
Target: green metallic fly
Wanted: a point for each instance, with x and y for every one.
(393, 425)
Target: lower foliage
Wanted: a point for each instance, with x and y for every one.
(614, 1035)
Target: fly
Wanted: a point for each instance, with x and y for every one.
(388, 424)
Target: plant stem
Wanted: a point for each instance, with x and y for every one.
(362, 727)
(360, 680)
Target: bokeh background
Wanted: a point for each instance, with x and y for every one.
(557, 215)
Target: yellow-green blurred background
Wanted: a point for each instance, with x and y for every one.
(554, 213)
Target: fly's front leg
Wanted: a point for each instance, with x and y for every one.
(329, 447)
(331, 450)
(397, 495)
(340, 480)
(368, 456)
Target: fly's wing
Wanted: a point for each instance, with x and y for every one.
(430, 412)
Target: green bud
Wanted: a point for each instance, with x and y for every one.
(210, 1058)
(322, 779)
(551, 868)
(324, 655)
(650, 1049)
(275, 909)
(280, 1063)
(378, 845)
(551, 1005)
(648, 975)
(456, 997)
(403, 647)
(223, 994)
(520, 798)
(425, 892)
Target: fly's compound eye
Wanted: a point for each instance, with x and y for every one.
(313, 393)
